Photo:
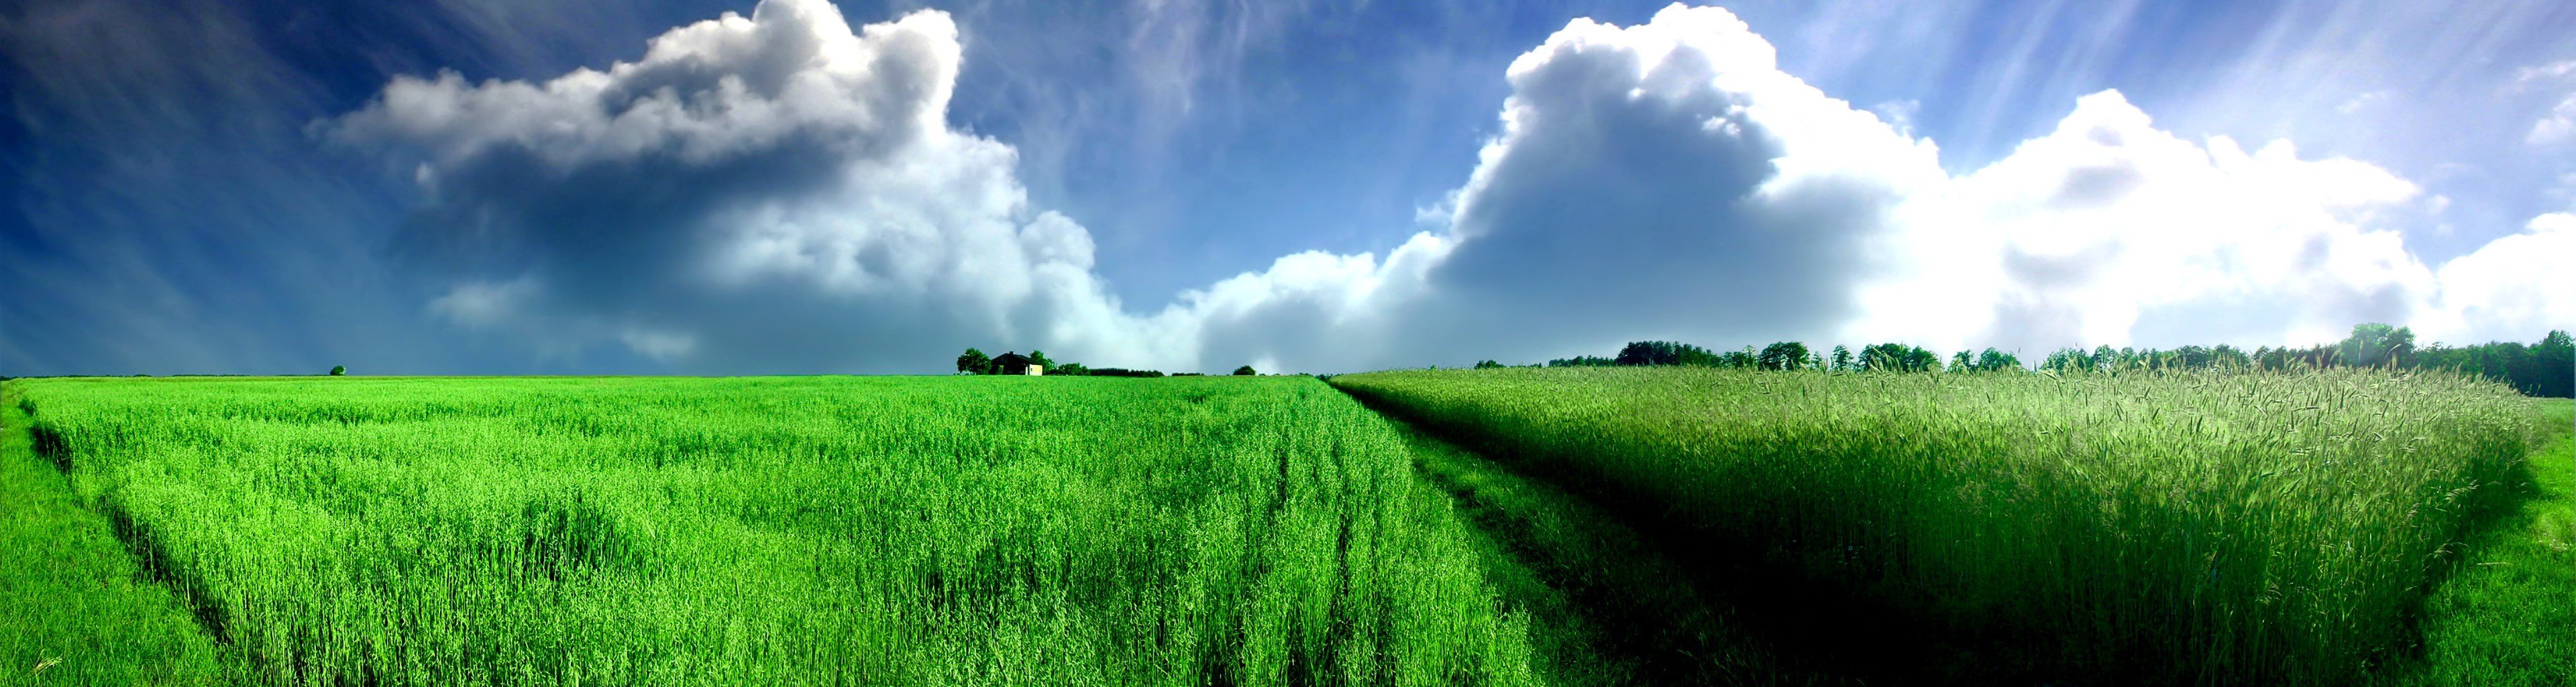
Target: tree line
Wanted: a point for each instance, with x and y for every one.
(2546, 368)
(1794, 355)
(975, 362)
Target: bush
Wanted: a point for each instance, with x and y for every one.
(339, 370)
(1245, 371)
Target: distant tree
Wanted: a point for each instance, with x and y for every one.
(1997, 361)
(1582, 361)
(1842, 359)
(1963, 362)
(1245, 371)
(1785, 355)
(2547, 368)
(2554, 366)
(1884, 357)
(974, 362)
(1488, 365)
(2231, 357)
(2191, 357)
(1038, 357)
(2373, 344)
(1123, 372)
(1664, 353)
(339, 370)
(1069, 369)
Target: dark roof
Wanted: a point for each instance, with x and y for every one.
(1010, 359)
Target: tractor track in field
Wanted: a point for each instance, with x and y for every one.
(1649, 616)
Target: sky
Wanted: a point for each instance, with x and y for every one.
(803, 186)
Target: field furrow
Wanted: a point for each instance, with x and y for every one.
(789, 531)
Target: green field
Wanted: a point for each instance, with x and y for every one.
(1606, 526)
(2161, 529)
(776, 531)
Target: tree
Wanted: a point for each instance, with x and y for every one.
(2373, 344)
(974, 362)
(1488, 365)
(1245, 371)
(1665, 353)
(1785, 355)
(1038, 357)
(339, 370)
(1895, 357)
(2555, 358)
(1963, 362)
(1842, 359)
(2229, 357)
(1997, 361)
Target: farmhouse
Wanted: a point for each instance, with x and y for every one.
(1015, 364)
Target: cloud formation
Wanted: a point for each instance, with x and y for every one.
(773, 192)
(779, 192)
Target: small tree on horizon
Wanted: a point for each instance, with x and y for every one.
(974, 362)
(1245, 371)
(339, 370)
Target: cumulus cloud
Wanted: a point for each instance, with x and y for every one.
(771, 192)
(780, 192)
(2558, 126)
(2509, 288)
(2079, 235)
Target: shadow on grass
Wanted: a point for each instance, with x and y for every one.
(1816, 630)
(151, 556)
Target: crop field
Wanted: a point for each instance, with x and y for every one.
(2209, 528)
(770, 531)
(1593, 526)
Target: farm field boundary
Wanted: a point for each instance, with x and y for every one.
(1640, 611)
(2505, 616)
(1678, 611)
(2159, 528)
(781, 531)
(74, 608)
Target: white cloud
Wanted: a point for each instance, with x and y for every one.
(2080, 233)
(2510, 289)
(779, 192)
(765, 192)
(2546, 72)
(2559, 124)
(2557, 127)
(2359, 102)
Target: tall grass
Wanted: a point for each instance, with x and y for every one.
(73, 608)
(2209, 528)
(789, 531)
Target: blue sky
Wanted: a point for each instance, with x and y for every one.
(280, 187)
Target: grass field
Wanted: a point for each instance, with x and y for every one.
(753, 531)
(2158, 529)
(74, 610)
(2507, 617)
(1597, 527)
